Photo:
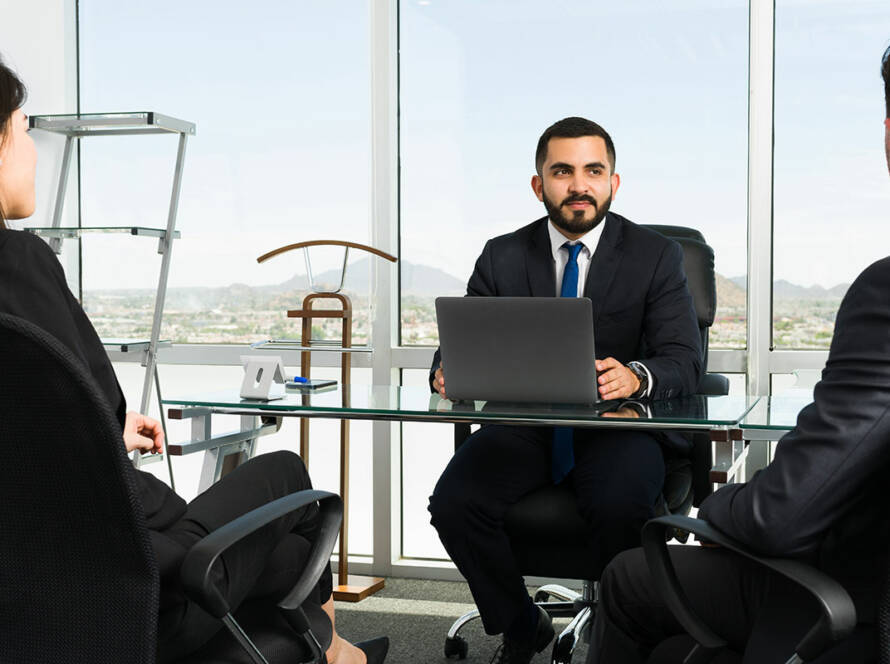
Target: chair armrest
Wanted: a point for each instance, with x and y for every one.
(195, 570)
(713, 385)
(838, 614)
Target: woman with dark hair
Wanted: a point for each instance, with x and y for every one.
(265, 565)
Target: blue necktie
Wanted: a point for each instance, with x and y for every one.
(562, 458)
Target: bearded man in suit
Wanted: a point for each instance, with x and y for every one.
(648, 340)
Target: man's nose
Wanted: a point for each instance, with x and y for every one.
(578, 184)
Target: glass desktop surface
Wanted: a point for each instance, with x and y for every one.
(408, 403)
(775, 413)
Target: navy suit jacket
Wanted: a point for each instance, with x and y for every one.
(642, 308)
(824, 496)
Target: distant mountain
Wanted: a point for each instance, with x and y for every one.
(785, 290)
(729, 294)
(416, 279)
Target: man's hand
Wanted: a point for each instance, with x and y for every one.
(615, 380)
(143, 433)
(439, 382)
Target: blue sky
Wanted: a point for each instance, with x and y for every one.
(280, 94)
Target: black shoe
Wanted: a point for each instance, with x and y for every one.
(375, 649)
(514, 652)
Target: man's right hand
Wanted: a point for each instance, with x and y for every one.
(439, 382)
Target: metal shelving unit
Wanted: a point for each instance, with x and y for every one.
(80, 125)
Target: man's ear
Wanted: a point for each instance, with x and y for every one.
(616, 182)
(538, 187)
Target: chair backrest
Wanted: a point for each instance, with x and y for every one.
(698, 263)
(78, 579)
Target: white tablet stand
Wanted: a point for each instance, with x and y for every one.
(260, 371)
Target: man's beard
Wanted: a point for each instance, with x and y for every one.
(574, 222)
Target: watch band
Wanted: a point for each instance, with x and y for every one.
(640, 372)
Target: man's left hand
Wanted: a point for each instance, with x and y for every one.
(615, 380)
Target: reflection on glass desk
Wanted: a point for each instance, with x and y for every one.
(384, 402)
(773, 417)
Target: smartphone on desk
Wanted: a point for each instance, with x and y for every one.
(310, 384)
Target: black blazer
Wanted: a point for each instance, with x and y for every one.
(33, 287)
(642, 309)
(824, 496)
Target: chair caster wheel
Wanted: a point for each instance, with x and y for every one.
(541, 596)
(456, 647)
(563, 649)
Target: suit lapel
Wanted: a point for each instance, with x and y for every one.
(604, 264)
(539, 262)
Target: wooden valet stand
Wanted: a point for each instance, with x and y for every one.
(350, 588)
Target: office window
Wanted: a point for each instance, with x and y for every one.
(479, 82)
(281, 155)
(831, 194)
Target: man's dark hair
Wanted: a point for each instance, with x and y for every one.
(885, 72)
(572, 128)
(12, 97)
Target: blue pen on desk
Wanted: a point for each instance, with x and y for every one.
(300, 379)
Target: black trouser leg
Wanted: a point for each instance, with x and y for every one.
(617, 478)
(267, 563)
(491, 471)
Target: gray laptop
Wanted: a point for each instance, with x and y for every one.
(526, 349)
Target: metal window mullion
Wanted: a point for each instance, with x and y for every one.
(760, 192)
(386, 507)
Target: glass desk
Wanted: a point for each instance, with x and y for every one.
(416, 404)
(769, 420)
(720, 416)
(773, 417)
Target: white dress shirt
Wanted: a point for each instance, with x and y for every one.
(590, 241)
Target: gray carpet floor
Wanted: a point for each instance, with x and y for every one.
(416, 616)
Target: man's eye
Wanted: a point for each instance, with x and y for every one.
(595, 171)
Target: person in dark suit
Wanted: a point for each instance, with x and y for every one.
(648, 339)
(264, 565)
(822, 499)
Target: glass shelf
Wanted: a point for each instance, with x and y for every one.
(296, 344)
(69, 232)
(132, 345)
(111, 124)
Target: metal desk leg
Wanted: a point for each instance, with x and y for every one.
(758, 457)
(222, 460)
(729, 452)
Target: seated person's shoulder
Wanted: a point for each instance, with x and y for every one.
(878, 273)
(24, 246)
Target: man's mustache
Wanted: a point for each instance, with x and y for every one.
(578, 199)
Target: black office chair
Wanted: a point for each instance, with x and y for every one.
(835, 630)
(78, 577)
(546, 530)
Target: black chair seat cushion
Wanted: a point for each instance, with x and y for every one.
(268, 629)
(549, 536)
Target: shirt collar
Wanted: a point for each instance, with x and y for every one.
(590, 240)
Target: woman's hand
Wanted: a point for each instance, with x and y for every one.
(143, 433)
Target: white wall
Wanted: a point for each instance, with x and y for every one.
(38, 40)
